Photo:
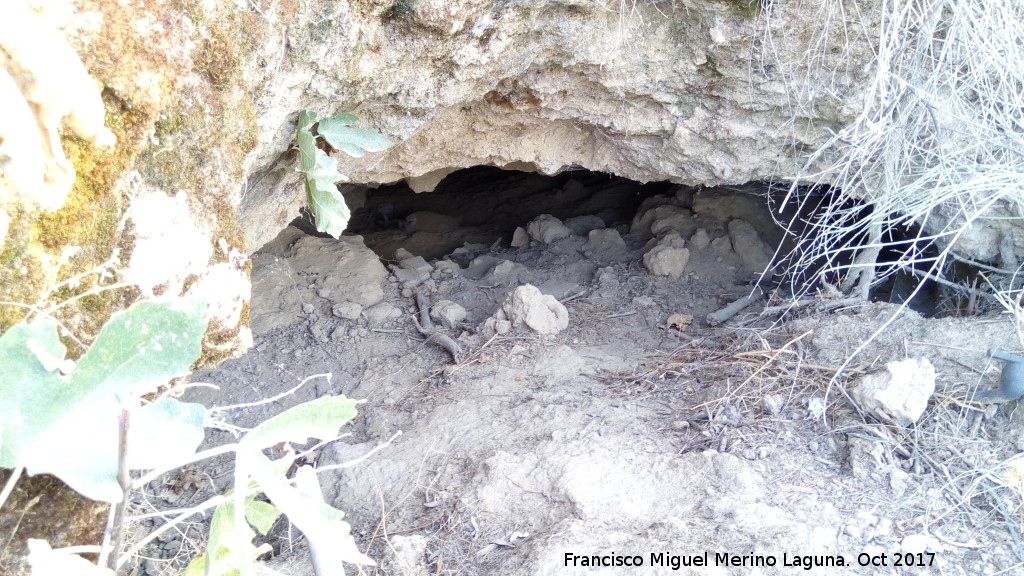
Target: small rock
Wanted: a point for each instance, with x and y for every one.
(347, 310)
(756, 255)
(899, 392)
(722, 245)
(448, 313)
(520, 238)
(504, 268)
(416, 263)
(308, 308)
(377, 315)
(402, 254)
(668, 257)
(447, 266)
(582, 225)
(541, 313)
(547, 229)
(339, 334)
(673, 218)
(700, 239)
(493, 326)
(405, 275)
(603, 240)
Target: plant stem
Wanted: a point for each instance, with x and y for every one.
(9, 486)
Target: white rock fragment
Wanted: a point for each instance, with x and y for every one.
(668, 257)
(547, 229)
(899, 392)
(700, 239)
(448, 313)
(520, 238)
(755, 254)
(347, 310)
(539, 312)
(381, 313)
(447, 266)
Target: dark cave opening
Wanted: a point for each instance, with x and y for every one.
(484, 205)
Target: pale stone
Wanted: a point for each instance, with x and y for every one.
(539, 312)
(755, 254)
(448, 313)
(899, 392)
(347, 310)
(547, 229)
(520, 238)
(603, 240)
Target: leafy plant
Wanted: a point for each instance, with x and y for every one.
(84, 424)
(326, 203)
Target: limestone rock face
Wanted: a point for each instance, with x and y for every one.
(687, 95)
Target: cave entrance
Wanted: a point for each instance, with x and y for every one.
(484, 205)
(720, 239)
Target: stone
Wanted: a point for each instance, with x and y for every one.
(520, 238)
(448, 313)
(582, 225)
(673, 218)
(668, 257)
(381, 313)
(539, 312)
(547, 229)
(722, 245)
(700, 239)
(347, 310)
(402, 254)
(447, 266)
(604, 240)
(409, 275)
(899, 392)
(505, 267)
(755, 254)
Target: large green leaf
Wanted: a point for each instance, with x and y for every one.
(164, 433)
(305, 141)
(330, 212)
(352, 141)
(67, 425)
(320, 418)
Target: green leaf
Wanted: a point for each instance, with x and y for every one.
(164, 433)
(330, 212)
(261, 515)
(68, 425)
(305, 141)
(322, 524)
(352, 141)
(320, 418)
(223, 558)
(341, 118)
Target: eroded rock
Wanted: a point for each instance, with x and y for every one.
(546, 229)
(899, 392)
(543, 314)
